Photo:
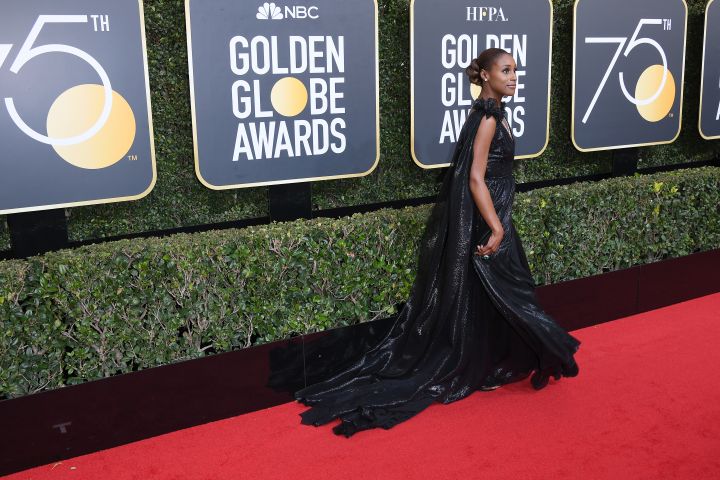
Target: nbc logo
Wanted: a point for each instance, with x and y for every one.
(269, 11)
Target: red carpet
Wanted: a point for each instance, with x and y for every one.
(645, 406)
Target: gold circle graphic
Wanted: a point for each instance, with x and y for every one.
(475, 90)
(75, 111)
(646, 87)
(289, 96)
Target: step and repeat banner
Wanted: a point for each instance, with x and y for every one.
(75, 124)
(288, 92)
(283, 92)
(444, 40)
(628, 70)
(709, 122)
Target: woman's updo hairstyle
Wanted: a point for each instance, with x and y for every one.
(484, 61)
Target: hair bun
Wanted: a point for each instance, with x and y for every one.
(473, 72)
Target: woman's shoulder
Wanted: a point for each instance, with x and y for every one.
(489, 107)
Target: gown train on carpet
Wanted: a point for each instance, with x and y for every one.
(469, 323)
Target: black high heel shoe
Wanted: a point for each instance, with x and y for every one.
(570, 371)
(539, 379)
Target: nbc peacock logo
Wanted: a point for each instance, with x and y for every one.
(269, 11)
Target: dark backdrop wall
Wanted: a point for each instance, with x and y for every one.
(180, 200)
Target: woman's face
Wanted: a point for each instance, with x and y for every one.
(502, 77)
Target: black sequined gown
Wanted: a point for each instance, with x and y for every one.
(469, 323)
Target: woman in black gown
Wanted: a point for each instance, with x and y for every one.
(472, 321)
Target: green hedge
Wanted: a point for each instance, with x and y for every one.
(32, 346)
(180, 200)
(99, 310)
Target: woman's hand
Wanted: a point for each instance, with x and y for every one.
(493, 243)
